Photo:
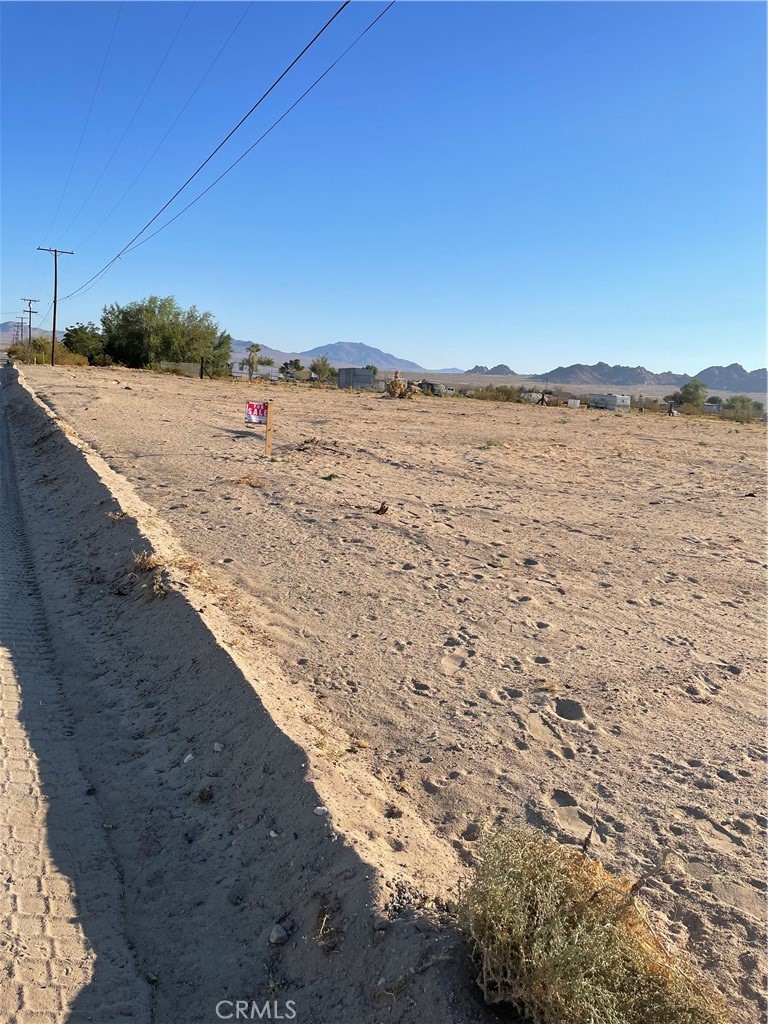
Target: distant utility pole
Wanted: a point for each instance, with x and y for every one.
(30, 311)
(20, 330)
(56, 253)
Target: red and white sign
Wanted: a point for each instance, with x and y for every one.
(256, 412)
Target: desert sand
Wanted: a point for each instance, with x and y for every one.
(441, 615)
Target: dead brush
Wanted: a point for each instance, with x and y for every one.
(558, 937)
(159, 586)
(145, 561)
(248, 481)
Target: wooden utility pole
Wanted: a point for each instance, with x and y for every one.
(56, 253)
(30, 311)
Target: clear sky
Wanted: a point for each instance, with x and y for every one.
(528, 183)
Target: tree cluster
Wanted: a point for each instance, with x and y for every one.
(322, 369)
(151, 331)
(693, 395)
(291, 369)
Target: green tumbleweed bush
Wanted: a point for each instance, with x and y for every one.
(561, 939)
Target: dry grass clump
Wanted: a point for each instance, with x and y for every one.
(249, 481)
(145, 561)
(562, 940)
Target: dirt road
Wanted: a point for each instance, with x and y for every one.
(63, 946)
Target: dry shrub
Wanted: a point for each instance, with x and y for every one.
(562, 940)
(502, 393)
(249, 481)
(145, 561)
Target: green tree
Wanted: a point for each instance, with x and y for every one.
(322, 368)
(743, 405)
(693, 393)
(291, 368)
(254, 360)
(374, 370)
(156, 329)
(84, 339)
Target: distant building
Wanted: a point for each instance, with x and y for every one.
(355, 377)
(619, 403)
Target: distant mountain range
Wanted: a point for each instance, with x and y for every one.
(733, 378)
(8, 330)
(724, 378)
(339, 354)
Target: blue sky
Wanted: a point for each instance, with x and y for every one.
(528, 183)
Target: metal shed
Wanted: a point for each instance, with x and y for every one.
(355, 377)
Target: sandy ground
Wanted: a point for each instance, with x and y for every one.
(559, 617)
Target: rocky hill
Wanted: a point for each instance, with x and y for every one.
(500, 370)
(732, 378)
(604, 374)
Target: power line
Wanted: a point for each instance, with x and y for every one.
(133, 118)
(266, 133)
(87, 120)
(45, 318)
(172, 125)
(214, 152)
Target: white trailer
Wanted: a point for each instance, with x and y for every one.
(618, 403)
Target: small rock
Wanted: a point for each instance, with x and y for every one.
(218, 747)
(380, 923)
(188, 758)
(278, 936)
(320, 811)
(531, 561)
(272, 834)
(408, 565)
(205, 795)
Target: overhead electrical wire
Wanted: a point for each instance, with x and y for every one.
(247, 151)
(47, 314)
(85, 125)
(212, 153)
(48, 230)
(266, 133)
(171, 126)
(130, 123)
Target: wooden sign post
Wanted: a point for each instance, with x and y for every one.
(268, 434)
(260, 412)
